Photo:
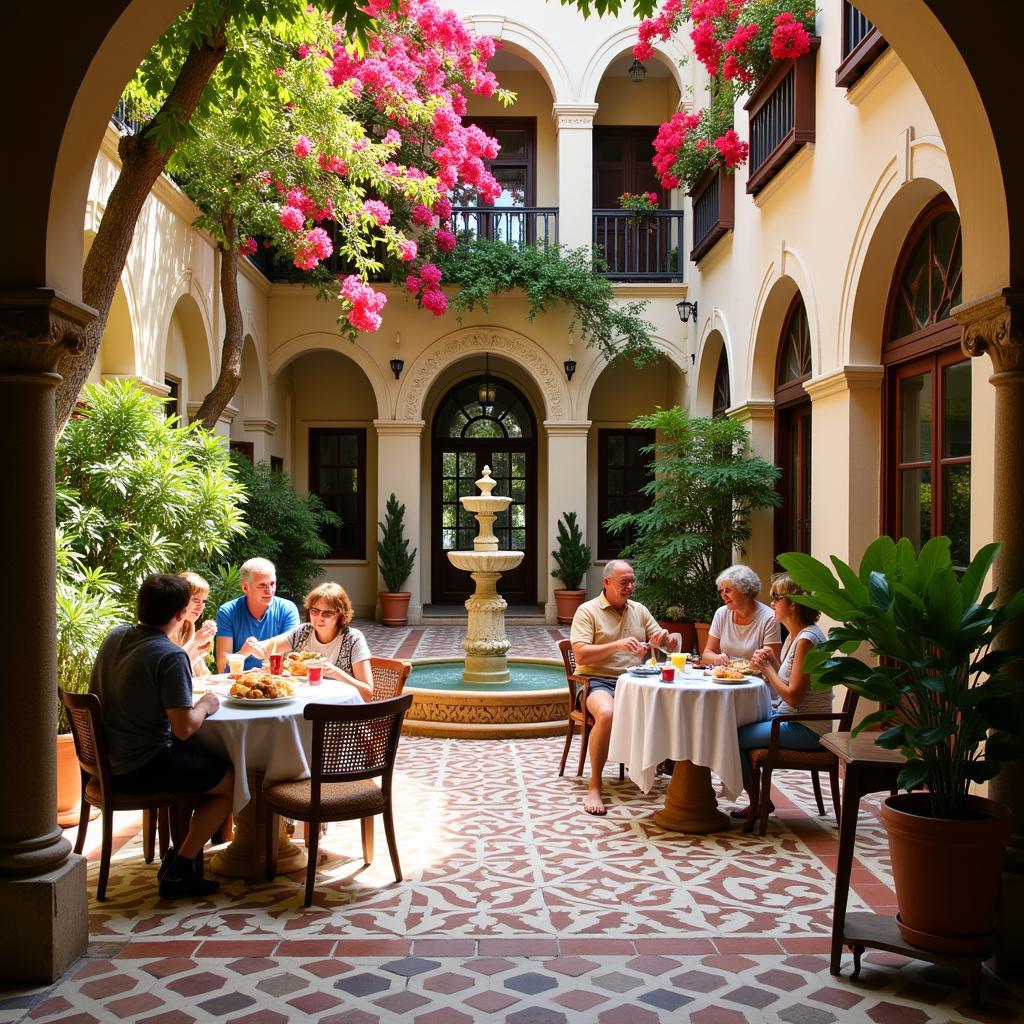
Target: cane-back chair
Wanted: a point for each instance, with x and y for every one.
(389, 676)
(579, 690)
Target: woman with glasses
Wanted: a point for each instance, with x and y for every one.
(342, 648)
(790, 684)
(197, 642)
(743, 624)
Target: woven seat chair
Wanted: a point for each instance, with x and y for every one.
(389, 676)
(764, 760)
(579, 690)
(85, 713)
(352, 745)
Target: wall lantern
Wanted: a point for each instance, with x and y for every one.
(397, 366)
(637, 72)
(486, 392)
(570, 368)
(685, 310)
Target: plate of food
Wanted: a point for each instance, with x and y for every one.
(744, 665)
(257, 702)
(645, 670)
(261, 688)
(728, 676)
(297, 662)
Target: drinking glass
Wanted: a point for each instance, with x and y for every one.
(679, 660)
(314, 673)
(236, 664)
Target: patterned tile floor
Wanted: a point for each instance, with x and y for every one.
(517, 908)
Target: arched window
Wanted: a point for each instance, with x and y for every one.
(928, 389)
(722, 394)
(501, 414)
(793, 431)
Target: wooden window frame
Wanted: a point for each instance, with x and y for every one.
(528, 124)
(609, 545)
(857, 59)
(173, 406)
(245, 449)
(713, 182)
(357, 553)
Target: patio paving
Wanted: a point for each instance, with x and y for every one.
(517, 908)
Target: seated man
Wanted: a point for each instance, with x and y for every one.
(609, 634)
(144, 681)
(257, 613)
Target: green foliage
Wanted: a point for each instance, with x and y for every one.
(87, 609)
(932, 633)
(393, 558)
(640, 8)
(572, 556)
(706, 488)
(138, 493)
(225, 584)
(549, 275)
(282, 525)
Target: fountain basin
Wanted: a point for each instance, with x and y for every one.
(485, 561)
(534, 702)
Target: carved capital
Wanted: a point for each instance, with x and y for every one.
(994, 324)
(38, 326)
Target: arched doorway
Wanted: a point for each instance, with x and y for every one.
(722, 394)
(927, 441)
(793, 432)
(483, 421)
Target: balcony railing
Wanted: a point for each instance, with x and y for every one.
(517, 225)
(781, 113)
(862, 45)
(714, 206)
(648, 247)
(124, 118)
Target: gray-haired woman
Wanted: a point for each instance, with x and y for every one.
(743, 624)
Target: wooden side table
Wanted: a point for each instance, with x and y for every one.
(871, 769)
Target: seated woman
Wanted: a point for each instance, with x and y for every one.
(197, 643)
(790, 684)
(742, 625)
(345, 653)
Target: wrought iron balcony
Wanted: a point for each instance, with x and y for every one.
(517, 225)
(644, 247)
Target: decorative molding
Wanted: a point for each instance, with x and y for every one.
(573, 115)
(853, 377)
(39, 325)
(873, 77)
(566, 428)
(755, 409)
(904, 158)
(148, 384)
(259, 425)
(994, 324)
(399, 428)
(543, 370)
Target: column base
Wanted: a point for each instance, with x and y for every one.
(47, 920)
(486, 668)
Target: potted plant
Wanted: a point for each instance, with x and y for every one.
(395, 564)
(640, 205)
(572, 560)
(705, 488)
(947, 710)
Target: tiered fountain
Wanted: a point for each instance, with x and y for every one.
(485, 642)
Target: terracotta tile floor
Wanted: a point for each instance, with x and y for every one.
(517, 908)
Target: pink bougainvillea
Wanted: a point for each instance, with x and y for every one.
(364, 303)
(303, 147)
(445, 240)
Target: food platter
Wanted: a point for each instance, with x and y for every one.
(645, 670)
(265, 702)
(733, 682)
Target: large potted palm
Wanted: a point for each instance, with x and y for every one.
(572, 560)
(948, 709)
(706, 486)
(395, 564)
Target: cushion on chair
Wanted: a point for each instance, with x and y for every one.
(795, 758)
(343, 798)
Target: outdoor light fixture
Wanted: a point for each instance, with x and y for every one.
(486, 392)
(637, 72)
(685, 310)
(396, 367)
(570, 368)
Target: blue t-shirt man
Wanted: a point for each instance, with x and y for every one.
(257, 613)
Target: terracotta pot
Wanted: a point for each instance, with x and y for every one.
(394, 608)
(69, 782)
(684, 629)
(946, 872)
(567, 601)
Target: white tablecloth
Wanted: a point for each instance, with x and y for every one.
(693, 719)
(276, 741)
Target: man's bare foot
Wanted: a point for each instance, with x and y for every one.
(593, 804)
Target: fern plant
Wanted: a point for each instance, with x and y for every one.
(572, 556)
(393, 557)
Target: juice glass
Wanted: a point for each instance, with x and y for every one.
(679, 660)
(236, 664)
(314, 673)
(276, 664)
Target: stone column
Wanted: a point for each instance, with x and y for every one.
(399, 473)
(574, 129)
(567, 492)
(260, 430)
(42, 884)
(994, 324)
(758, 416)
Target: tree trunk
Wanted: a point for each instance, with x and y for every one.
(142, 162)
(231, 354)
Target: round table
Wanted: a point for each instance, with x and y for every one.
(693, 722)
(266, 745)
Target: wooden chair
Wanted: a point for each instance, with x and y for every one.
(352, 744)
(764, 760)
(579, 690)
(389, 676)
(85, 713)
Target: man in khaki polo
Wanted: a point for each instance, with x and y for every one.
(609, 634)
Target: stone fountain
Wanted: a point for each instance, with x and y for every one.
(485, 642)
